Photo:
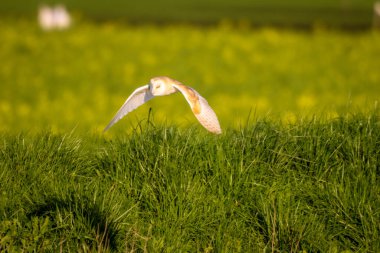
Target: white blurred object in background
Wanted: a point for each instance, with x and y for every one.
(62, 18)
(376, 15)
(56, 17)
(46, 17)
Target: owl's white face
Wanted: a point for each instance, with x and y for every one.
(161, 86)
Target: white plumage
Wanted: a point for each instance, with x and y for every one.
(161, 86)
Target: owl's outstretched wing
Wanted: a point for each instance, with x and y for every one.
(201, 109)
(137, 98)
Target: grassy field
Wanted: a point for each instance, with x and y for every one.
(306, 187)
(295, 170)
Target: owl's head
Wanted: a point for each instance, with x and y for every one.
(161, 86)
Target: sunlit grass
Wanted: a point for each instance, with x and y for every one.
(305, 187)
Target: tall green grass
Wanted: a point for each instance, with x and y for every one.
(311, 186)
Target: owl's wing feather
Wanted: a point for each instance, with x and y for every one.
(137, 98)
(207, 117)
(201, 109)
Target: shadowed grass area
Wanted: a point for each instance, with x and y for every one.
(308, 186)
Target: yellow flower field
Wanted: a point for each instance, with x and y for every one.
(78, 79)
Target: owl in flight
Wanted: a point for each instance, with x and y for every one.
(161, 86)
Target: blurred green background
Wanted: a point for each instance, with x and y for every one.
(249, 59)
(341, 13)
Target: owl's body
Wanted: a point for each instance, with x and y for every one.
(162, 86)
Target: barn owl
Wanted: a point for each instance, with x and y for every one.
(162, 86)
